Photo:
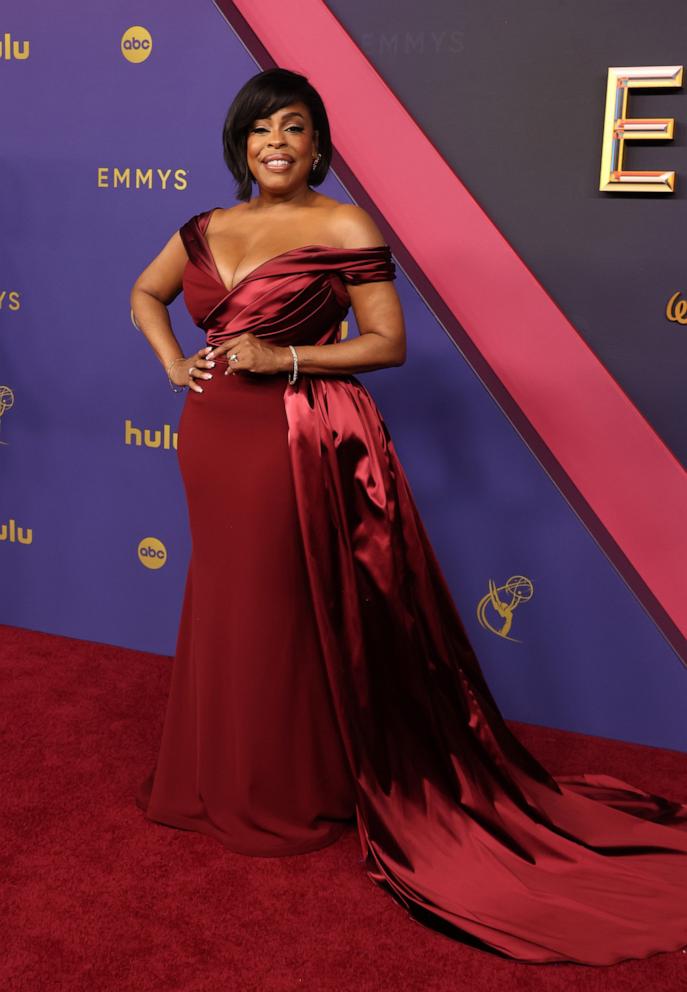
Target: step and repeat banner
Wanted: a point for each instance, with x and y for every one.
(111, 125)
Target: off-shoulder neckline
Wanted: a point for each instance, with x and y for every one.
(274, 258)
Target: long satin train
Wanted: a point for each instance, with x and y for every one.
(456, 819)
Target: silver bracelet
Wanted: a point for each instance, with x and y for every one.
(174, 387)
(293, 376)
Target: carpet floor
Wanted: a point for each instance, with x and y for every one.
(97, 898)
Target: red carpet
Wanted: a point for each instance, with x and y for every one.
(96, 898)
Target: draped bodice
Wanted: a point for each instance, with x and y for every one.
(297, 297)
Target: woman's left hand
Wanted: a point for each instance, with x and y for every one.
(253, 355)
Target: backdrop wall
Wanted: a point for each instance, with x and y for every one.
(107, 149)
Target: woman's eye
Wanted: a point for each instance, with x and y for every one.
(297, 127)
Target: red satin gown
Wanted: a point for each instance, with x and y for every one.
(323, 678)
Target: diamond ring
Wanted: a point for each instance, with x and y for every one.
(233, 357)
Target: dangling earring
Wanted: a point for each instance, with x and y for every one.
(314, 165)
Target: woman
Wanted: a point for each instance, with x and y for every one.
(323, 676)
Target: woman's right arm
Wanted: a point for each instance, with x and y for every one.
(156, 287)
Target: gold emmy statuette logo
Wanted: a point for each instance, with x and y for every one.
(152, 553)
(619, 128)
(12, 534)
(137, 44)
(518, 590)
(10, 49)
(6, 403)
(676, 309)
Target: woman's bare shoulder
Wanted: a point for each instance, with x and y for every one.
(353, 227)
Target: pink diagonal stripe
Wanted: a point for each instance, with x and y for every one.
(624, 471)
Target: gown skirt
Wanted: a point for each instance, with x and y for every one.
(323, 676)
(258, 761)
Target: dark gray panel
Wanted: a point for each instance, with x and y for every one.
(512, 95)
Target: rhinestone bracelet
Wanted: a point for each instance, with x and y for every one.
(292, 377)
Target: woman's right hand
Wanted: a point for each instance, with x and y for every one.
(184, 371)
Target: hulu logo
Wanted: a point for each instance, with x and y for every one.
(12, 534)
(10, 49)
(165, 438)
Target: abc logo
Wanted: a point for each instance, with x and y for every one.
(152, 553)
(137, 44)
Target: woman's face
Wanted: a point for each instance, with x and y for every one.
(287, 135)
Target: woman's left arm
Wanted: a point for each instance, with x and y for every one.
(381, 342)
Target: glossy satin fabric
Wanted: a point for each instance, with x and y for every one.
(456, 819)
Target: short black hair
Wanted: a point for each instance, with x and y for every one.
(261, 96)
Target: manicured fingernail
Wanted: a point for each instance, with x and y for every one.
(207, 376)
(212, 365)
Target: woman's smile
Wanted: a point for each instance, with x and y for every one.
(278, 165)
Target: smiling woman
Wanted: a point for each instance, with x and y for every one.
(323, 679)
